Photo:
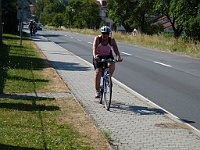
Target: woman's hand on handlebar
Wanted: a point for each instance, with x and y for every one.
(97, 58)
(119, 59)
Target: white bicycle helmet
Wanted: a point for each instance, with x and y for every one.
(105, 29)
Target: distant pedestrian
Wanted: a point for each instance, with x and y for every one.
(134, 32)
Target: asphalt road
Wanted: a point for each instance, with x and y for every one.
(169, 80)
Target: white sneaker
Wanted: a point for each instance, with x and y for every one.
(97, 95)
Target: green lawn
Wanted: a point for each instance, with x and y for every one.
(19, 67)
(30, 123)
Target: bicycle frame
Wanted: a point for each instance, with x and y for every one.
(106, 89)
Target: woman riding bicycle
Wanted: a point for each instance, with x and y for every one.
(102, 49)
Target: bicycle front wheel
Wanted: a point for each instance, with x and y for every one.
(101, 95)
(108, 92)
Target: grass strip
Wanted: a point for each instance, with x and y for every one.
(30, 122)
(20, 66)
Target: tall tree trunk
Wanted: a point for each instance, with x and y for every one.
(1, 22)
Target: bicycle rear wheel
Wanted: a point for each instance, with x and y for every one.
(108, 92)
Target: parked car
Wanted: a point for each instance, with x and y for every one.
(39, 26)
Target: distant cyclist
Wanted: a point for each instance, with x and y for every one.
(102, 48)
(31, 25)
(34, 27)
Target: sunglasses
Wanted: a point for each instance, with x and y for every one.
(105, 33)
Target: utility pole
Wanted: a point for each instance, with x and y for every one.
(1, 41)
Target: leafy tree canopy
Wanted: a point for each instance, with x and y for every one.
(130, 13)
(183, 15)
(83, 14)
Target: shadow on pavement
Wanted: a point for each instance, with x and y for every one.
(141, 110)
(69, 66)
(187, 121)
(51, 35)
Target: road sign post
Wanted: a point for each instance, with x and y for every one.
(23, 5)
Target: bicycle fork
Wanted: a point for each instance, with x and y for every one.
(104, 75)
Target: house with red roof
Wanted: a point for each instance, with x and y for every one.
(165, 22)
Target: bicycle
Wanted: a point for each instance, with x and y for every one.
(106, 87)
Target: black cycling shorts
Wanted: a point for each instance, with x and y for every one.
(100, 64)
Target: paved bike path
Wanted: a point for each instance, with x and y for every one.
(133, 122)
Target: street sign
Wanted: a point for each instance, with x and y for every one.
(24, 7)
(23, 4)
(22, 14)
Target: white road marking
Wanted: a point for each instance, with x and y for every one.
(65, 35)
(162, 64)
(126, 53)
(36, 39)
(90, 43)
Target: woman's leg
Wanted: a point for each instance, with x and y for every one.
(97, 78)
(111, 67)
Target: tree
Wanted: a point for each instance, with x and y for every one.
(9, 16)
(189, 17)
(122, 14)
(65, 2)
(143, 16)
(165, 8)
(130, 13)
(58, 20)
(182, 14)
(83, 14)
(40, 7)
(50, 10)
(1, 22)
